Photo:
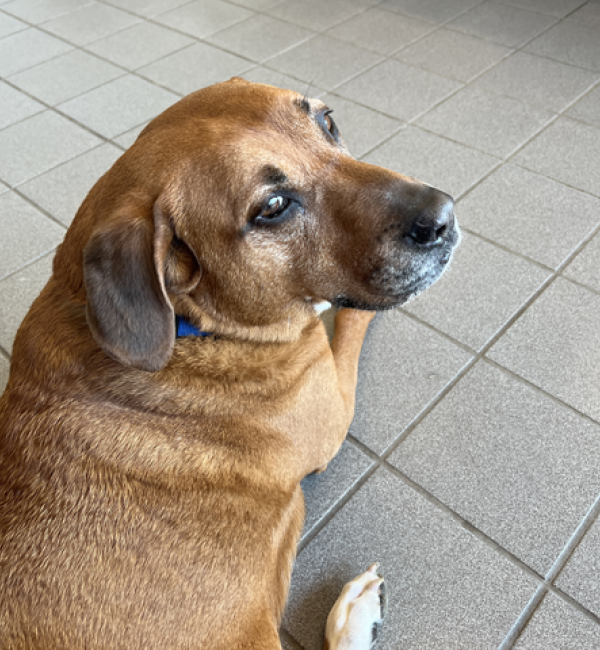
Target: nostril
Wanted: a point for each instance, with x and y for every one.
(423, 233)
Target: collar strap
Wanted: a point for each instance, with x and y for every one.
(183, 327)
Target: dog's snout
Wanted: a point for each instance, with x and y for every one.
(433, 220)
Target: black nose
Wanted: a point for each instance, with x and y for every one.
(434, 219)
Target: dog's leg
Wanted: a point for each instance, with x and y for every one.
(355, 620)
(350, 329)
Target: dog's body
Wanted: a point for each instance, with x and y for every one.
(149, 486)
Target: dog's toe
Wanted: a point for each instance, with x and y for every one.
(355, 620)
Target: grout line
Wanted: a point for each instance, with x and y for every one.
(551, 576)
(289, 639)
(524, 618)
(29, 263)
(4, 354)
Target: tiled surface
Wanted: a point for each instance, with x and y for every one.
(554, 155)
(495, 101)
(585, 268)
(61, 190)
(15, 106)
(581, 575)
(404, 365)
(18, 220)
(486, 121)
(555, 345)
(479, 293)
(559, 626)
(446, 588)
(503, 24)
(16, 295)
(424, 155)
(480, 452)
(378, 89)
(538, 81)
(65, 77)
(322, 491)
(530, 214)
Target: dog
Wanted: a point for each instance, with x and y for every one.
(173, 383)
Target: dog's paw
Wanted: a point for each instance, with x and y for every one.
(355, 620)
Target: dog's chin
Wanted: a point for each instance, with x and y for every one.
(392, 287)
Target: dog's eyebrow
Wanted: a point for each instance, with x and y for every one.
(273, 176)
(303, 104)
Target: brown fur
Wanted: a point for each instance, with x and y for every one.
(149, 487)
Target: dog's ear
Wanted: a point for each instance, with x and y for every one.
(129, 263)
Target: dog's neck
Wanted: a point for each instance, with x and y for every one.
(204, 322)
(183, 327)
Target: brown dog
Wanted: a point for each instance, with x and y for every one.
(149, 485)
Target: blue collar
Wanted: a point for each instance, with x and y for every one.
(185, 328)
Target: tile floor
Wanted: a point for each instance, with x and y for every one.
(472, 468)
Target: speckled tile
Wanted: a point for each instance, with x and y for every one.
(587, 108)
(305, 61)
(203, 17)
(195, 67)
(397, 89)
(148, 8)
(539, 81)
(61, 191)
(434, 11)
(492, 123)
(139, 45)
(27, 234)
(558, 8)
(248, 38)
(581, 576)
(483, 288)
(39, 11)
(380, 31)
(403, 366)
(530, 214)
(555, 344)
(119, 105)
(39, 143)
(511, 461)
(10, 25)
(571, 41)
(90, 23)
(360, 127)
(318, 15)
(66, 77)
(442, 163)
(552, 154)
(559, 626)
(453, 55)
(126, 139)
(323, 491)
(502, 23)
(28, 48)
(16, 295)
(4, 368)
(585, 268)
(16, 106)
(446, 588)
(263, 75)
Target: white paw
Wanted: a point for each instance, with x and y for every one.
(355, 620)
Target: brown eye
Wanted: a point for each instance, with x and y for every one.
(328, 122)
(275, 205)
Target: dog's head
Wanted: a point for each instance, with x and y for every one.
(241, 207)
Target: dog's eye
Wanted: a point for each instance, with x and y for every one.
(275, 206)
(329, 123)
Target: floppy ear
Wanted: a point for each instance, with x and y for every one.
(128, 310)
